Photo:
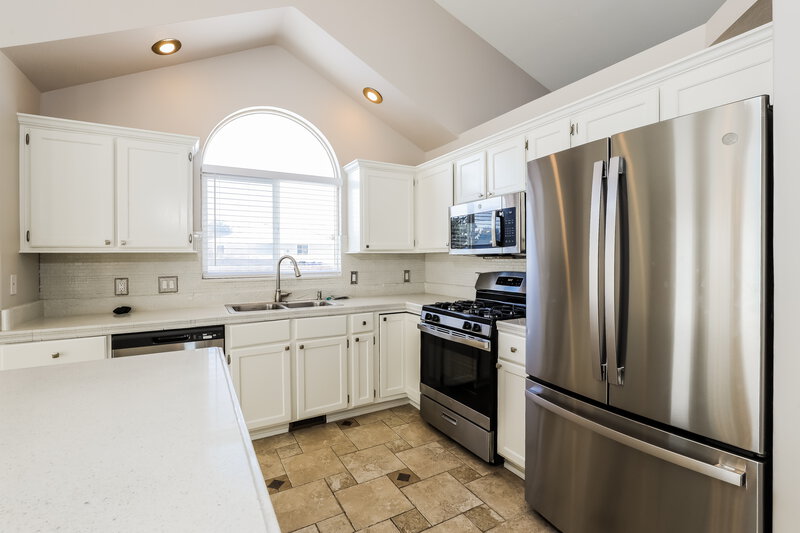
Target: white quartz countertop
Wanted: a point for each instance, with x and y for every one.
(47, 328)
(149, 443)
(515, 326)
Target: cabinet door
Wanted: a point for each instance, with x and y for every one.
(732, 78)
(434, 196)
(362, 369)
(618, 115)
(470, 178)
(321, 376)
(511, 412)
(388, 204)
(154, 196)
(506, 167)
(411, 356)
(67, 190)
(262, 377)
(392, 347)
(548, 139)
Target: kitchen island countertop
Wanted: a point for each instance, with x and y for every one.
(148, 443)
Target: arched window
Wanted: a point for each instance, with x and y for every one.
(271, 186)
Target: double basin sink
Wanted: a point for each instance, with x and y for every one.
(273, 306)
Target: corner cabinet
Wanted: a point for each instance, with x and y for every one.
(433, 192)
(95, 188)
(380, 207)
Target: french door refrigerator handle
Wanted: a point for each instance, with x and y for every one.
(614, 371)
(719, 472)
(595, 299)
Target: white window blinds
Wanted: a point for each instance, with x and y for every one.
(252, 218)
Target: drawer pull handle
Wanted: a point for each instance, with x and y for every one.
(513, 350)
(449, 419)
(55, 355)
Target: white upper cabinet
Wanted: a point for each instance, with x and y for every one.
(154, 196)
(548, 138)
(66, 193)
(506, 167)
(470, 178)
(614, 116)
(381, 207)
(96, 188)
(433, 197)
(728, 79)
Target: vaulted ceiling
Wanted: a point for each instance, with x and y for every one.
(443, 66)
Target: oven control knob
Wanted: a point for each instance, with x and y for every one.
(467, 326)
(428, 316)
(476, 327)
(435, 318)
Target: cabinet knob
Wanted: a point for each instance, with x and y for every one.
(302, 346)
(108, 242)
(490, 194)
(286, 348)
(446, 244)
(513, 350)
(363, 322)
(356, 339)
(498, 365)
(480, 195)
(55, 355)
(123, 243)
(368, 246)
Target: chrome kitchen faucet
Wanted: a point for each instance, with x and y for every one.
(278, 293)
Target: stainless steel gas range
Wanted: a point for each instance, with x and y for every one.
(458, 360)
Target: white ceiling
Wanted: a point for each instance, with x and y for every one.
(560, 42)
(443, 66)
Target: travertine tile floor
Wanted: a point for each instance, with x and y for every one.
(385, 472)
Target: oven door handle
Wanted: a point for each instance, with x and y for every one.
(475, 342)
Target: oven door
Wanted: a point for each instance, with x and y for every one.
(458, 371)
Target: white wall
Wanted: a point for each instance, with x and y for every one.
(191, 99)
(786, 404)
(455, 276)
(17, 94)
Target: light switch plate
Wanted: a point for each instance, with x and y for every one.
(12, 285)
(406, 276)
(120, 286)
(167, 284)
(354, 277)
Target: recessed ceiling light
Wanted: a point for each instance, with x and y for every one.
(165, 47)
(372, 95)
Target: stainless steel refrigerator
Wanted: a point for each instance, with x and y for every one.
(649, 327)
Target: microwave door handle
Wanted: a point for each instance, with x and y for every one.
(493, 236)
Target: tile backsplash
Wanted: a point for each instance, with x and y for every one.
(76, 284)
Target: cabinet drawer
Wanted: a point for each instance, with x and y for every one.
(51, 352)
(324, 326)
(244, 335)
(361, 322)
(511, 348)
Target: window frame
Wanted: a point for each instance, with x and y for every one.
(337, 181)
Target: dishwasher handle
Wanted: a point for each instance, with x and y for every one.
(171, 339)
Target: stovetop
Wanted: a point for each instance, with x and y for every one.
(480, 309)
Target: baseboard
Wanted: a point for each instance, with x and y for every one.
(514, 469)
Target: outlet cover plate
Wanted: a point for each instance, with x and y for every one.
(120, 286)
(167, 284)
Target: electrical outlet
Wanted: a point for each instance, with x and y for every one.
(12, 285)
(406, 276)
(167, 284)
(120, 286)
(354, 277)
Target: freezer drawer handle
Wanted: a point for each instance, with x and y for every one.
(719, 472)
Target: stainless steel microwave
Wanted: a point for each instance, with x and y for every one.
(495, 226)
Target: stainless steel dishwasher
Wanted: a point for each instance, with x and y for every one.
(167, 340)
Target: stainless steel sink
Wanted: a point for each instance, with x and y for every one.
(258, 306)
(308, 303)
(271, 306)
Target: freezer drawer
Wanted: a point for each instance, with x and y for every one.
(591, 471)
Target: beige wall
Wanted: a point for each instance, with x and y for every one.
(17, 94)
(455, 276)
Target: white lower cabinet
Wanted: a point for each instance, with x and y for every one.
(399, 356)
(321, 381)
(411, 356)
(511, 378)
(362, 369)
(45, 353)
(262, 377)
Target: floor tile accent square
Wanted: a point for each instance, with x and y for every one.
(278, 484)
(336, 524)
(502, 491)
(348, 423)
(429, 460)
(342, 480)
(484, 517)
(418, 433)
(311, 466)
(371, 463)
(372, 502)
(317, 437)
(403, 478)
(440, 498)
(459, 524)
(303, 506)
(411, 522)
(369, 435)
